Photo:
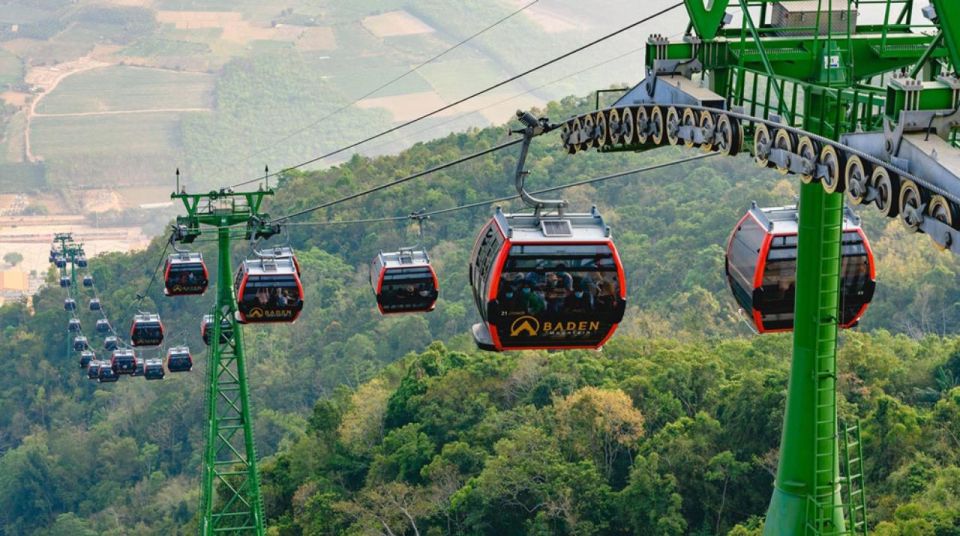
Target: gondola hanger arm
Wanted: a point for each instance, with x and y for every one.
(533, 127)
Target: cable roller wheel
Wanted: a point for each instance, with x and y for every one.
(888, 191)
(709, 127)
(762, 142)
(589, 128)
(944, 211)
(628, 126)
(911, 201)
(689, 119)
(614, 126)
(809, 150)
(672, 125)
(565, 136)
(833, 160)
(642, 119)
(656, 125)
(856, 177)
(729, 137)
(602, 129)
(783, 140)
(576, 131)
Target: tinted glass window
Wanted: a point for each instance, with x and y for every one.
(579, 279)
(407, 289)
(744, 250)
(270, 298)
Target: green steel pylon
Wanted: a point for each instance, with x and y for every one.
(231, 502)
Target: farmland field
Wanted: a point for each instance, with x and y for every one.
(11, 69)
(108, 149)
(130, 88)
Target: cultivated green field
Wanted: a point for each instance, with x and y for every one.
(129, 88)
(11, 69)
(448, 78)
(109, 150)
(105, 134)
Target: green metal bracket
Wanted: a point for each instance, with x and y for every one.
(706, 17)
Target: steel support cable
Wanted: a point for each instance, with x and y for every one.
(399, 181)
(488, 89)
(391, 81)
(510, 197)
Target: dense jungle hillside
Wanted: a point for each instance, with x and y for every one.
(371, 425)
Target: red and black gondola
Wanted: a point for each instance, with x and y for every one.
(179, 359)
(146, 330)
(80, 343)
(268, 290)
(153, 369)
(73, 324)
(761, 268)
(86, 357)
(70, 304)
(185, 274)
(404, 282)
(123, 361)
(103, 326)
(106, 373)
(110, 343)
(93, 369)
(94, 304)
(546, 282)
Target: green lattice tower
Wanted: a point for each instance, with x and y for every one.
(70, 251)
(231, 502)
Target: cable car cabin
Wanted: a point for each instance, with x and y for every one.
(761, 268)
(103, 326)
(107, 374)
(80, 343)
(60, 261)
(146, 330)
(123, 361)
(93, 370)
(94, 304)
(85, 358)
(185, 274)
(179, 359)
(282, 252)
(53, 255)
(546, 283)
(268, 290)
(206, 330)
(73, 325)
(404, 282)
(81, 261)
(70, 304)
(65, 281)
(140, 369)
(110, 343)
(88, 281)
(153, 369)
